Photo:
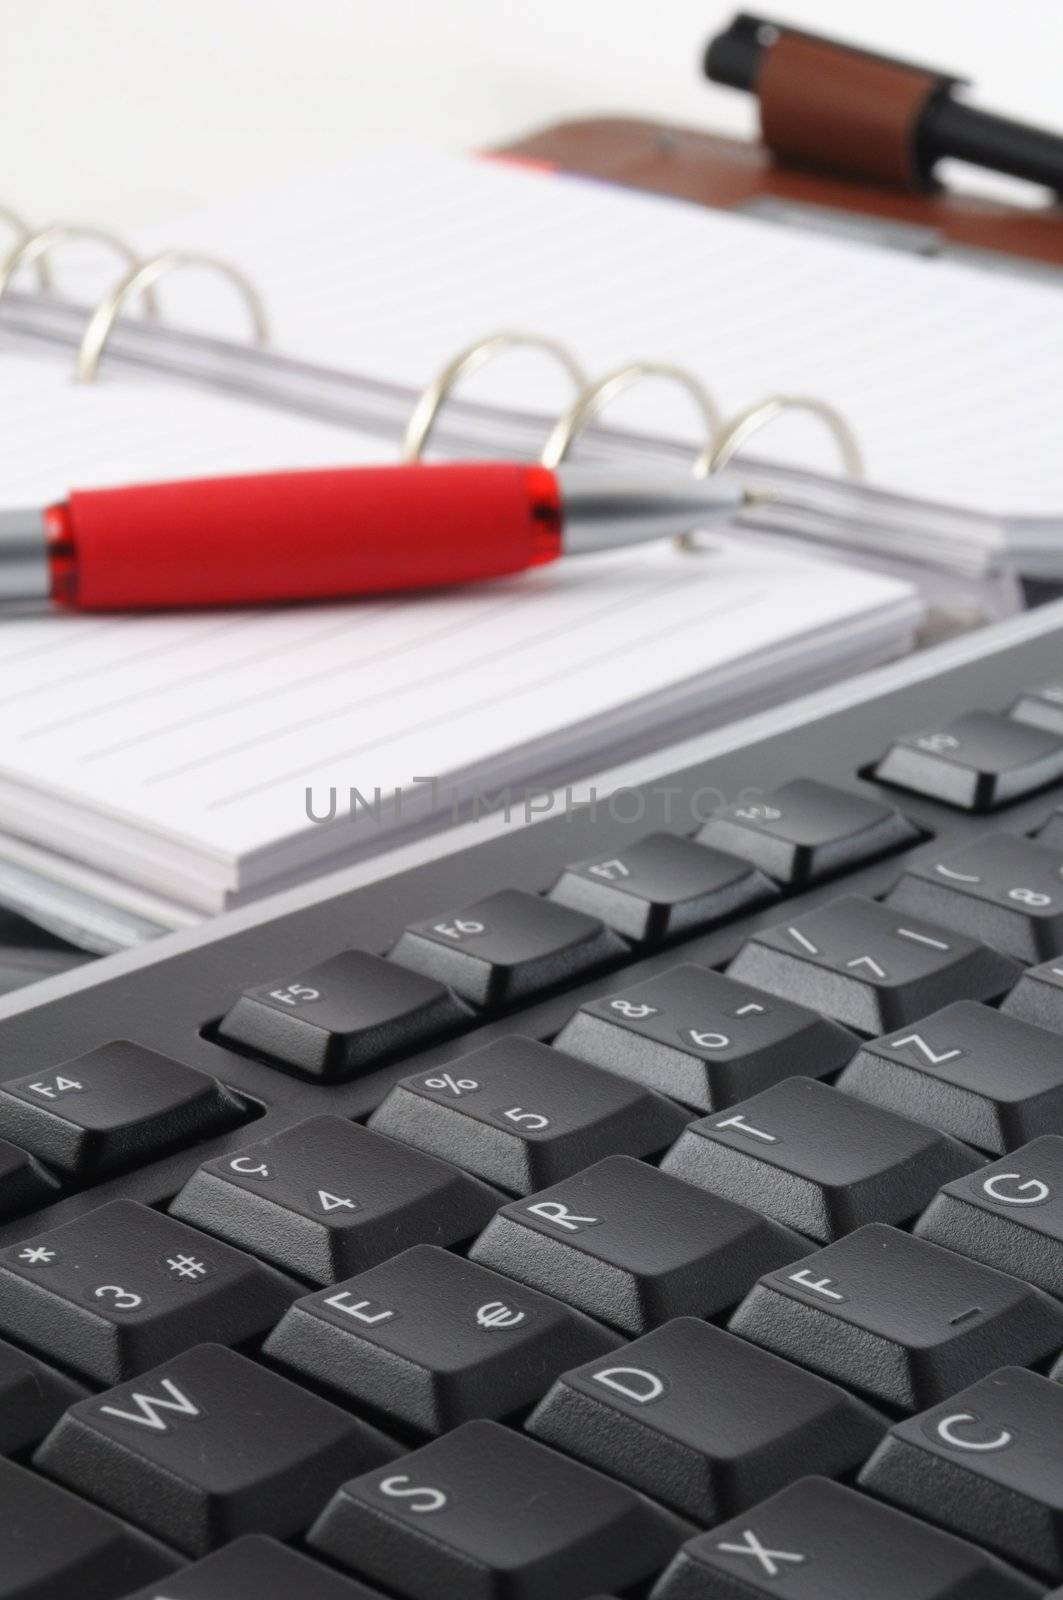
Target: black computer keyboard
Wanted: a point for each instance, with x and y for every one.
(663, 1199)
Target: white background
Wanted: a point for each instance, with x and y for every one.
(128, 110)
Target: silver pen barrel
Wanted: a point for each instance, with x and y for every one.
(606, 508)
(24, 570)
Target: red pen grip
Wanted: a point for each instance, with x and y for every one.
(301, 535)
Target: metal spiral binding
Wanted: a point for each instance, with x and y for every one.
(141, 278)
(435, 394)
(34, 247)
(18, 224)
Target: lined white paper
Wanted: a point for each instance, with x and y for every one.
(178, 749)
(947, 372)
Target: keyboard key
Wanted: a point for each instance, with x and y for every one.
(899, 1319)
(1051, 835)
(632, 1246)
(522, 1115)
(1038, 996)
(980, 762)
(117, 1107)
(258, 1568)
(123, 1287)
(343, 1017)
(24, 1183)
(327, 1198)
(816, 1160)
(986, 1078)
(662, 886)
(32, 1398)
(507, 947)
(806, 831)
(54, 1546)
(1004, 890)
(818, 1540)
(434, 1340)
(490, 1515)
(1009, 1215)
(987, 1465)
(704, 1422)
(869, 966)
(1042, 708)
(704, 1039)
(209, 1446)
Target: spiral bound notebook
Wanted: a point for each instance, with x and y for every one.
(376, 272)
(173, 755)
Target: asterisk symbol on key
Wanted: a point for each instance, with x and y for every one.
(35, 1255)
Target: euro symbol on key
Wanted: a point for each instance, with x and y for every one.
(497, 1315)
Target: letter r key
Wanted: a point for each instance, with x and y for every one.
(560, 1216)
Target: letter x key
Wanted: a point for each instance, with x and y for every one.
(772, 1561)
(817, 1538)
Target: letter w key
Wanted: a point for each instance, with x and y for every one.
(150, 1408)
(208, 1447)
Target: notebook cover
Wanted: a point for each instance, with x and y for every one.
(725, 172)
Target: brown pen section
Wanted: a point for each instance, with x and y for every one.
(844, 112)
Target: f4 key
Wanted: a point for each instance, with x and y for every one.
(116, 1107)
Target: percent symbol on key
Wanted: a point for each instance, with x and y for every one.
(456, 1086)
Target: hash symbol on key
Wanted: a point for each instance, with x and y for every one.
(185, 1266)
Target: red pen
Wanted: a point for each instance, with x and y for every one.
(319, 535)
